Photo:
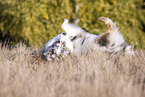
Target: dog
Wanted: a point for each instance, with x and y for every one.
(76, 41)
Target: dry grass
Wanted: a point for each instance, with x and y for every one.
(97, 75)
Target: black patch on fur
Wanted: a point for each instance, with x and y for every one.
(64, 33)
(124, 48)
(83, 41)
(103, 41)
(73, 38)
(123, 45)
(113, 44)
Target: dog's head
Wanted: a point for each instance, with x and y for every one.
(68, 40)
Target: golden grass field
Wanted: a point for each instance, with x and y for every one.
(97, 75)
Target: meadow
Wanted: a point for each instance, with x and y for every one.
(96, 75)
(23, 73)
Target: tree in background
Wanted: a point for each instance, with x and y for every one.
(37, 21)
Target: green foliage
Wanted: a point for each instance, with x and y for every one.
(37, 21)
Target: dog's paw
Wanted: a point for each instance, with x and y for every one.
(105, 20)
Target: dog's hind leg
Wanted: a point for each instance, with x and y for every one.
(112, 37)
(111, 27)
(110, 24)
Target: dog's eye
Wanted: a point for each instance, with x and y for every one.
(63, 33)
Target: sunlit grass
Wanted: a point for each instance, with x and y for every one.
(97, 75)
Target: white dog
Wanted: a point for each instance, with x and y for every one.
(77, 41)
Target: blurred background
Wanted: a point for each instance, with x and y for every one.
(35, 22)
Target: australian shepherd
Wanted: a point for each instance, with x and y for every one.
(76, 41)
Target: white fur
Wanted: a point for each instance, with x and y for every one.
(67, 40)
(51, 42)
(70, 29)
(79, 42)
(89, 40)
